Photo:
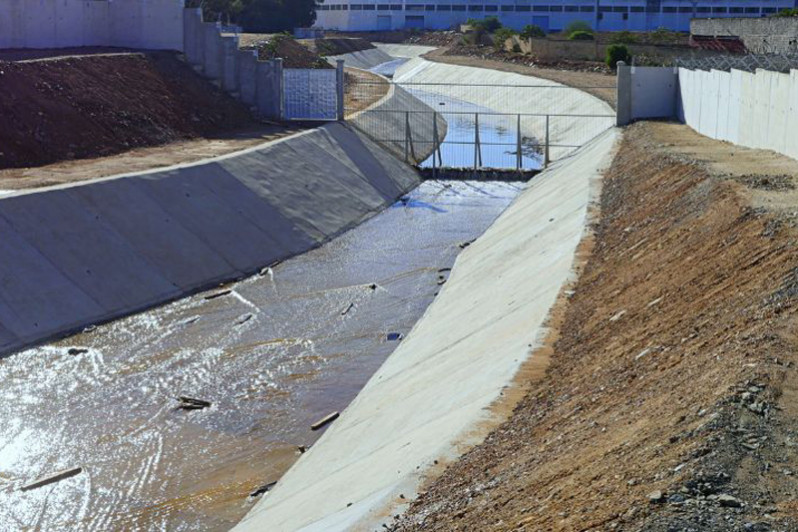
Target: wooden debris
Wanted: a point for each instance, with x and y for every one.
(67, 473)
(77, 351)
(347, 309)
(329, 418)
(218, 294)
(190, 403)
(263, 489)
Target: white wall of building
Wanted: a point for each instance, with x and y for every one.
(144, 24)
(605, 15)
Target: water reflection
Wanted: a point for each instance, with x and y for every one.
(276, 353)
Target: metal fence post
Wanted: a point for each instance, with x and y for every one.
(435, 149)
(407, 135)
(518, 161)
(340, 80)
(477, 151)
(280, 81)
(546, 153)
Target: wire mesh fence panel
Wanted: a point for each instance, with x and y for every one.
(480, 125)
(310, 94)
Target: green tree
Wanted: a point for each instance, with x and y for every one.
(501, 37)
(261, 16)
(615, 53)
(488, 24)
(532, 31)
(581, 36)
(577, 25)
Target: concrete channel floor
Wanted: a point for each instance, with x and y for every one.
(275, 354)
(429, 401)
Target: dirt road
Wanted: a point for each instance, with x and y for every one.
(669, 399)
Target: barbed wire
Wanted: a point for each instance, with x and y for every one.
(747, 62)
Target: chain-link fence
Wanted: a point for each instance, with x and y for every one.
(478, 126)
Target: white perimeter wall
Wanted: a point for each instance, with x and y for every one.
(143, 24)
(750, 109)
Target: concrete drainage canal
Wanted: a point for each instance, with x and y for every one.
(257, 362)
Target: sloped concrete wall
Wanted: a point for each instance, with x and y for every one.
(434, 390)
(755, 109)
(546, 97)
(86, 253)
(143, 24)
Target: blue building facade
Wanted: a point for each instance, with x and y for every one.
(551, 15)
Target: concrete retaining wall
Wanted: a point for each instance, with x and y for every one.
(239, 72)
(750, 109)
(759, 35)
(142, 24)
(646, 92)
(432, 393)
(91, 252)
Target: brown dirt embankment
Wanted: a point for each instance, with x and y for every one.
(669, 400)
(92, 106)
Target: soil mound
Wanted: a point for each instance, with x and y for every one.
(669, 400)
(90, 106)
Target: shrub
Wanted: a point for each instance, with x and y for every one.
(577, 25)
(516, 48)
(664, 35)
(615, 53)
(501, 36)
(532, 31)
(787, 13)
(489, 24)
(623, 37)
(581, 36)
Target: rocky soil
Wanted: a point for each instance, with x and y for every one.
(91, 106)
(669, 400)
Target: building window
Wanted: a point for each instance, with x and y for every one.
(571, 9)
(368, 7)
(685, 9)
(323, 8)
(444, 7)
(476, 8)
(620, 9)
(414, 7)
(383, 7)
(703, 9)
(626, 16)
(718, 9)
(768, 10)
(491, 8)
(669, 9)
(540, 8)
(555, 9)
(430, 7)
(522, 9)
(396, 7)
(458, 8)
(507, 8)
(586, 9)
(753, 10)
(605, 9)
(637, 9)
(736, 10)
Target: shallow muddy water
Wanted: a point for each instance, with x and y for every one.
(278, 352)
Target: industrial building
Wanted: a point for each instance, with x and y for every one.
(551, 15)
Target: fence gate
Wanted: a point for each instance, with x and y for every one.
(310, 94)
